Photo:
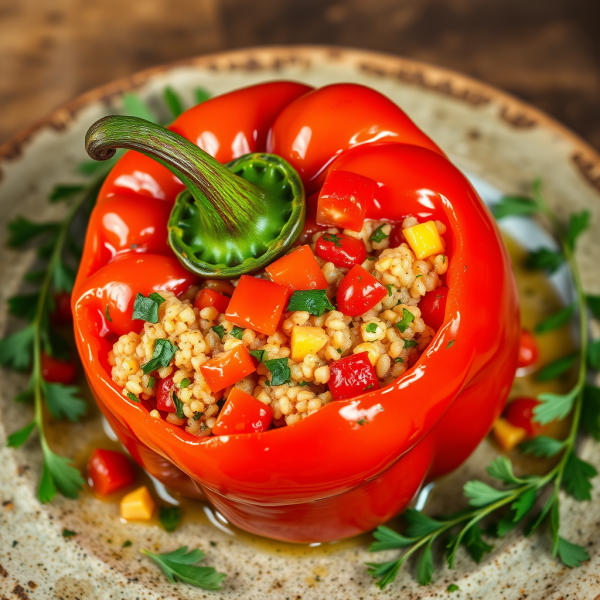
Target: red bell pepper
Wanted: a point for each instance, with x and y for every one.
(359, 291)
(227, 368)
(243, 413)
(109, 471)
(528, 349)
(344, 199)
(207, 298)
(433, 307)
(342, 250)
(55, 370)
(352, 376)
(421, 426)
(164, 395)
(299, 270)
(258, 304)
(519, 413)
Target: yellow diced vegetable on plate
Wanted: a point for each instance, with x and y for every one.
(508, 436)
(307, 340)
(137, 505)
(424, 240)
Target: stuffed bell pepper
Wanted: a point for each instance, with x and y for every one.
(291, 304)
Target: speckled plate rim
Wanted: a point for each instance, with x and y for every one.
(518, 116)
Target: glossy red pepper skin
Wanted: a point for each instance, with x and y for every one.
(359, 291)
(227, 368)
(354, 477)
(207, 298)
(164, 395)
(519, 413)
(352, 376)
(109, 471)
(243, 413)
(528, 349)
(342, 250)
(433, 307)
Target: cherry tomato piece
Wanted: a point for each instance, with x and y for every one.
(258, 304)
(359, 291)
(207, 298)
(342, 250)
(344, 200)
(352, 376)
(62, 315)
(299, 270)
(55, 370)
(519, 413)
(164, 396)
(528, 349)
(110, 471)
(433, 307)
(227, 368)
(243, 413)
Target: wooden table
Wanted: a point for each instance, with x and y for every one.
(545, 51)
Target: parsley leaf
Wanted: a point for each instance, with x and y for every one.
(556, 320)
(146, 308)
(219, 330)
(169, 517)
(590, 415)
(259, 355)
(58, 472)
(16, 349)
(18, 438)
(63, 278)
(501, 468)
(578, 223)
(475, 544)
(107, 314)
(514, 206)
(452, 588)
(384, 572)
(126, 544)
(63, 402)
(594, 305)
(419, 524)
(481, 494)
(201, 95)
(164, 351)
(22, 230)
(23, 306)
(571, 555)
(178, 406)
(407, 319)
(378, 235)
(334, 239)
(409, 344)
(184, 383)
(314, 302)
(388, 539)
(179, 565)
(134, 106)
(280, 371)
(151, 382)
(576, 478)
(390, 289)
(64, 192)
(541, 446)
(132, 397)
(450, 344)
(554, 406)
(544, 259)
(371, 328)
(237, 332)
(556, 368)
(425, 564)
(173, 101)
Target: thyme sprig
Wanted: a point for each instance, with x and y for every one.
(518, 495)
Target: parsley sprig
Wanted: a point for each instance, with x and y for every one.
(518, 495)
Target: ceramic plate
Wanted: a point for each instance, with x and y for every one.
(500, 142)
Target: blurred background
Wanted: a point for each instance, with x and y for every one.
(544, 51)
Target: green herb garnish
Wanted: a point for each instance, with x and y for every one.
(178, 406)
(378, 235)
(371, 328)
(163, 354)
(450, 344)
(237, 332)
(390, 289)
(146, 308)
(184, 383)
(180, 565)
(151, 382)
(407, 319)
(409, 344)
(107, 314)
(197, 416)
(169, 517)
(132, 397)
(280, 371)
(314, 302)
(219, 330)
(67, 533)
(398, 360)
(126, 544)
(259, 355)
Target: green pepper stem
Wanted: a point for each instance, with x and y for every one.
(227, 202)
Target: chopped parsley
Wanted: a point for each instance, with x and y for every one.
(390, 289)
(450, 344)
(303, 383)
(219, 330)
(107, 314)
(126, 544)
(410, 344)
(178, 406)
(184, 383)
(259, 355)
(378, 235)
(132, 397)
(197, 416)
(369, 387)
(371, 327)
(164, 351)
(67, 533)
(362, 422)
(151, 383)
(417, 277)
(237, 332)
(280, 371)
(407, 319)
(314, 302)
(398, 360)
(146, 308)
(334, 239)
(169, 517)
(339, 350)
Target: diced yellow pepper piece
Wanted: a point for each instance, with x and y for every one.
(508, 436)
(137, 505)
(307, 340)
(424, 239)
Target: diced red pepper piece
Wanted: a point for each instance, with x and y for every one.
(299, 270)
(227, 368)
(359, 291)
(344, 199)
(243, 413)
(519, 413)
(258, 304)
(528, 349)
(433, 307)
(110, 471)
(342, 250)
(206, 298)
(55, 370)
(352, 376)
(164, 395)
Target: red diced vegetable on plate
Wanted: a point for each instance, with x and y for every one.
(352, 376)
(243, 413)
(227, 368)
(299, 270)
(258, 304)
(344, 199)
(109, 471)
(519, 413)
(358, 292)
(55, 370)
(528, 349)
